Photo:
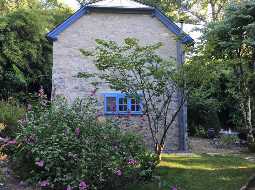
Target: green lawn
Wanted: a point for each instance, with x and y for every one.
(200, 172)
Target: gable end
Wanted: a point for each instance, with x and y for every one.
(185, 38)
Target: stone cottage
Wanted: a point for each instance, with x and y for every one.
(114, 20)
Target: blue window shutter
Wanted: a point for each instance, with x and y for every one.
(117, 103)
(129, 104)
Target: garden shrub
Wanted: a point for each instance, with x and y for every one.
(228, 140)
(10, 113)
(63, 146)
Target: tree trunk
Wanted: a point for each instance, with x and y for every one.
(213, 7)
(158, 150)
(249, 122)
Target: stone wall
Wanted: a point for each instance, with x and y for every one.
(68, 61)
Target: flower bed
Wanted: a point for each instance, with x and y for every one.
(66, 147)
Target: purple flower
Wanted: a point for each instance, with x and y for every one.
(40, 163)
(83, 186)
(173, 188)
(68, 187)
(44, 183)
(77, 132)
(132, 162)
(118, 172)
(31, 139)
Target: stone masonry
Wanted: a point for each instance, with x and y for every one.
(68, 61)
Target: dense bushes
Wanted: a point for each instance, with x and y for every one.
(61, 146)
(25, 53)
(10, 113)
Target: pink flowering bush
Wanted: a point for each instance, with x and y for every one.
(65, 147)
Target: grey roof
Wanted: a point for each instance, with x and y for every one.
(119, 4)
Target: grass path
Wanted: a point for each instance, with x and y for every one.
(200, 172)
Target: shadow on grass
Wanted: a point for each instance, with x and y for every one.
(200, 172)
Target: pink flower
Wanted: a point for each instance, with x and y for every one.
(68, 187)
(83, 186)
(40, 163)
(41, 92)
(93, 92)
(118, 172)
(44, 183)
(77, 132)
(132, 162)
(98, 114)
(12, 142)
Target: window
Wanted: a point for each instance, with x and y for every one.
(135, 106)
(111, 104)
(120, 104)
(123, 104)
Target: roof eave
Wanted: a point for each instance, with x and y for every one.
(121, 9)
(53, 34)
(186, 39)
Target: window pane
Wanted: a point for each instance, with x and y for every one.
(138, 108)
(133, 101)
(123, 101)
(133, 108)
(135, 105)
(123, 104)
(111, 104)
(123, 108)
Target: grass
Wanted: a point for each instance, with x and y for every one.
(200, 172)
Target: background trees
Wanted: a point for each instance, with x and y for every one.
(229, 47)
(25, 53)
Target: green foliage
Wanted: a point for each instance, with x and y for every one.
(227, 49)
(203, 83)
(198, 131)
(232, 41)
(25, 53)
(139, 71)
(191, 11)
(10, 113)
(63, 145)
(228, 140)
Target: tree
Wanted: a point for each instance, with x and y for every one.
(84, 2)
(138, 70)
(231, 42)
(25, 53)
(192, 11)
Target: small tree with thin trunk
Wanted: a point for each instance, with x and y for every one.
(138, 70)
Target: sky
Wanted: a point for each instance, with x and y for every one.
(72, 3)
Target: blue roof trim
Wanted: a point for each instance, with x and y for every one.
(53, 35)
(172, 26)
